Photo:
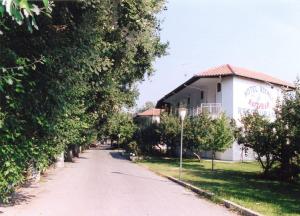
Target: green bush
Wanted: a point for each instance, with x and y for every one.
(148, 138)
(133, 147)
(276, 143)
(10, 177)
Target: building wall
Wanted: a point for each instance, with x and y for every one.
(227, 96)
(195, 96)
(227, 108)
(241, 95)
(208, 85)
(248, 96)
(156, 119)
(210, 93)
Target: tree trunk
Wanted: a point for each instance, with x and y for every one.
(212, 160)
(242, 156)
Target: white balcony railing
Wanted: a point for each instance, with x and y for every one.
(213, 109)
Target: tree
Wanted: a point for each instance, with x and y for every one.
(121, 128)
(276, 142)
(287, 150)
(259, 134)
(198, 133)
(220, 136)
(148, 137)
(62, 83)
(169, 128)
(147, 105)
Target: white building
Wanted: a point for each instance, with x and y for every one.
(229, 89)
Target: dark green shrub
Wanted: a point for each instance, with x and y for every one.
(148, 138)
(169, 129)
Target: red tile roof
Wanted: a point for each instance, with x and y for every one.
(225, 70)
(151, 112)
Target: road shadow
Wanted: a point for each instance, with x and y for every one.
(23, 196)
(18, 198)
(136, 176)
(102, 147)
(117, 155)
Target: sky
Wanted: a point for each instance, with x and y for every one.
(262, 35)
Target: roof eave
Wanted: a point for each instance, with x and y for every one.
(178, 89)
(287, 85)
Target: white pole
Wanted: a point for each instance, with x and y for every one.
(181, 139)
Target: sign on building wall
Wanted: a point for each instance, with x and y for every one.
(257, 98)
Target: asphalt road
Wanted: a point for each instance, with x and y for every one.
(100, 183)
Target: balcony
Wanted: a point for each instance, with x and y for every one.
(212, 109)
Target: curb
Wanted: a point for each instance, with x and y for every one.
(199, 191)
(242, 210)
(211, 196)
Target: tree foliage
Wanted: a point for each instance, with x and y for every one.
(258, 134)
(198, 133)
(61, 83)
(169, 128)
(221, 134)
(147, 105)
(201, 133)
(148, 138)
(276, 143)
(287, 151)
(121, 128)
(22, 11)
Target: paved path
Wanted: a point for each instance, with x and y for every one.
(101, 183)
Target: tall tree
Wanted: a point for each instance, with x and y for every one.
(64, 81)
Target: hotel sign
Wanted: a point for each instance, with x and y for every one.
(258, 98)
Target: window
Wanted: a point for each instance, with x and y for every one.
(219, 87)
(188, 101)
(202, 95)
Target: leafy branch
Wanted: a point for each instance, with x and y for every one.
(32, 65)
(22, 11)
